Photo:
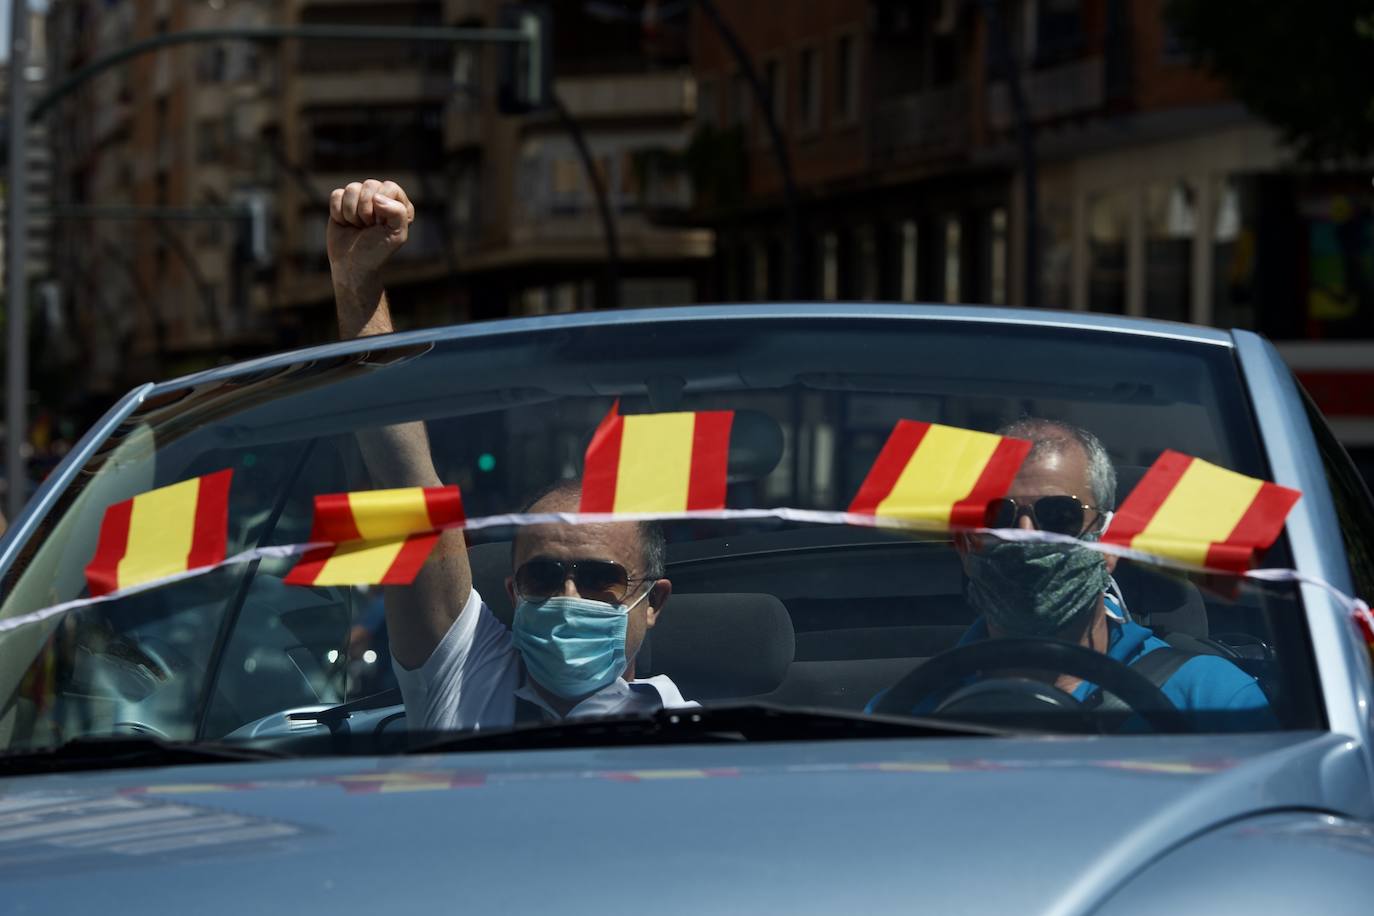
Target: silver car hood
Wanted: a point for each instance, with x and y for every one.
(940, 825)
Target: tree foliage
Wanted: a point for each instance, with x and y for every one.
(1306, 67)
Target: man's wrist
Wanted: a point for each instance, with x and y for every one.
(361, 304)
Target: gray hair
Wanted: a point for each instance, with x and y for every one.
(1049, 436)
(653, 545)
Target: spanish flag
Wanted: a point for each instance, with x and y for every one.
(165, 531)
(1364, 622)
(1201, 514)
(942, 474)
(376, 537)
(658, 462)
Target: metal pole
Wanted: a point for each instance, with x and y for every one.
(574, 129)
(16, 279)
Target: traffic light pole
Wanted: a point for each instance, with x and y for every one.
(21, 115)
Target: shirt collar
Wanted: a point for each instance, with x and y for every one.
(609, 700)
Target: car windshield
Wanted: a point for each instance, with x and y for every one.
(787, 606)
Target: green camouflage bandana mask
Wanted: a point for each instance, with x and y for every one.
(1034, 589)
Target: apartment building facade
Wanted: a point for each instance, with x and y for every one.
(1157, 193)
(153, 192)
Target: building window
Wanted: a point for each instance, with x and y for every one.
(867, 252)
(808, 90)
(998, 268)
(209, 141)
(534, 301)
(210, 64)
(953, 262)
(1234, 254)
(910, 240)
(830, 266)
(564, 298)
(708, 114)
(777, 90)
(467, 188)
(742, 101)
(347, 138)
(846, 79)
(1057, 34)
(760, 274)
(1109, 215)
(467, 90)
(1170, 224)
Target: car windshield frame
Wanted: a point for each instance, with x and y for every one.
(186, 407)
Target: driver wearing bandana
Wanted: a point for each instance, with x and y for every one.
(584, 595)
(1067, 485)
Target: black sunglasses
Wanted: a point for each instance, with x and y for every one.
(1058, 514)
(600, 580)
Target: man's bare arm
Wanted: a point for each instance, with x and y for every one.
(368, 221)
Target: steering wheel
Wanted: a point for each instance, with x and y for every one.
(947, 671)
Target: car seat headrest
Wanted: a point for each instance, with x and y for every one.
(722, 644)
(1158, 599)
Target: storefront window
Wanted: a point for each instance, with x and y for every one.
(909, 260)
(998, 267)
(1339, 235)
(1056, 251)
(953, 263)
(1170, 225)
(1233, 255)
(1108, 227)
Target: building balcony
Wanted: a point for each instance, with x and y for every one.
(327, 180)
(464, 10)
(922, 125)
(1055, 92)
(579, 236)
(647, 95)
(162, 74)
(362, 88)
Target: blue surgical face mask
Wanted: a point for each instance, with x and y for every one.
(572, 646)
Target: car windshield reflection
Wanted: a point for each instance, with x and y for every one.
(535, 604)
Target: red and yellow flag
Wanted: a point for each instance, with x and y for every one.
(162, 532)
(1187, 509)
(941, 474)
(658, 462)
(376, 537)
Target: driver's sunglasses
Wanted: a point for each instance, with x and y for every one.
(1057, 514)
(600, 580)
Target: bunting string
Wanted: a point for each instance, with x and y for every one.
(1349, 603)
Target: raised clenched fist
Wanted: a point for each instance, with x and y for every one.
(368, 221)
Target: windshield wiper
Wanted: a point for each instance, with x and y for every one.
(707, 725)
(117, 753)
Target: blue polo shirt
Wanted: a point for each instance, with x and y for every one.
(1212, 692)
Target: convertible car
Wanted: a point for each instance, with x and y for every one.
(226, 734)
